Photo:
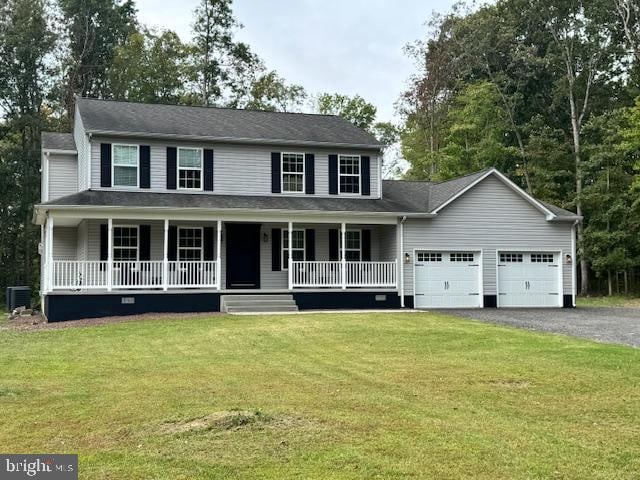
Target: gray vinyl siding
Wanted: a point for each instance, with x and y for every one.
(238, 169)
(63, 175)
(489, 217)
(83, 169)
(64, 243)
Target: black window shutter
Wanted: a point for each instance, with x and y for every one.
(309, 173)
(172, 155)
(145, 166)
(145, 242)
(105, 164)
(334, 245)
(172, 248)
(275, 173)
(333, 174)
(366, 245)
(310, 244)
(207, 243)
(365, 172)
(104, 242)
(276, 248)
(207, 171)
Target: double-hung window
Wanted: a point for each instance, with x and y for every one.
(189, 168)
(353, 249)
(349, 173)
(125, 165)
(125, 243)
(292, 173)
(189, 244)
(297, 247)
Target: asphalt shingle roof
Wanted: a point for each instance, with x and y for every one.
(221, 123)
(58, 141)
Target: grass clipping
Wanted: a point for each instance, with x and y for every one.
(231, 420)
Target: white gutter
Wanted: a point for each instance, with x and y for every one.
(57, 151)
(401, 273)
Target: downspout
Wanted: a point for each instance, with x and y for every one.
(89, 166)
(401, 261)
(574, 263)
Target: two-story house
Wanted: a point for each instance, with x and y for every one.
(162, 208)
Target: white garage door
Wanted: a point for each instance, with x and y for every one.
(528, 279)
(447, 279)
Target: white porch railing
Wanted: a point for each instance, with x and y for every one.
(310, 274)
(91, 274)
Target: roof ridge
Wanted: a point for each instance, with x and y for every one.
(486, 170)
(210, 107)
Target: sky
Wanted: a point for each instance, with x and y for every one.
(349, 47)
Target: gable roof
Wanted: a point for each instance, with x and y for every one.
(435, 196)
(220, 124)
(58, 141)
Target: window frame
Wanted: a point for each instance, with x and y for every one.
(285, 235)
(340, 174)
(113, 164)
(282, 173)
(178, 247)
(359, 249)
(114, 247)
(429, 256)
(201, 169)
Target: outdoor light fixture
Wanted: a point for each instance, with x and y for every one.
(407, 257)
(265, 237)
(568, 259)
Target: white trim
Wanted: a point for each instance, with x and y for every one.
(290, 248)
(290, 262)
(88, 159)
(186, 227)
(165, 256)
(343, 261)
(401, 260)
(524, 251)
(574, 264)
(282, 173)
(474, 250)
(379, 158)
(506, 181)
(44, 184)
(58, 151)
(359, 230)
(113, 247)
(352, 194)
(201, 169)
(218, 255)
(113, 165)
(109, 254)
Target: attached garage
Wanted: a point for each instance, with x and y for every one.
(529, 279)
(447, 279)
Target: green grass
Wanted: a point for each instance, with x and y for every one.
(389, 396)
(606, 301)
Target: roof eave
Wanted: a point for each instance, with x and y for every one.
(251, 141)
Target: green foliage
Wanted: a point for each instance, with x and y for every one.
(355, 109)
(270, 92)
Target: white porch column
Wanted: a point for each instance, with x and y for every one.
(49, 254)
(290, 262)
(400, 279)
(218, 256)
(165, 257)
(109, 254)
(343, 258)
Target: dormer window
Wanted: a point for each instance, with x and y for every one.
(292, 173)
(189, 168)
(125, 165)
(349, 173)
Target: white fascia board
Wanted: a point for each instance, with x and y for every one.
(56, 151)
(549, 214)
(252, 141)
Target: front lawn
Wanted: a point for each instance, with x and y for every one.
(389, 396)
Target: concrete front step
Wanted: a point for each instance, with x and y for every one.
(258, 303)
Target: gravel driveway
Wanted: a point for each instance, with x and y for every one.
(610, 325)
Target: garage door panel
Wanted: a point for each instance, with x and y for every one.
(528, 279)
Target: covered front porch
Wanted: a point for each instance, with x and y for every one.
(173, 254)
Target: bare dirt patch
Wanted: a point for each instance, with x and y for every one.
(38, 322)
(233, 420)
(510, 383)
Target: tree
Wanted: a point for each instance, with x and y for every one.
(93, 29)
(355, 109)
(221, 65)
(26, 40)
(270, 92)
(149, 68)
(629, 14)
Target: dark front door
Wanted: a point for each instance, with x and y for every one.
(243, 255)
